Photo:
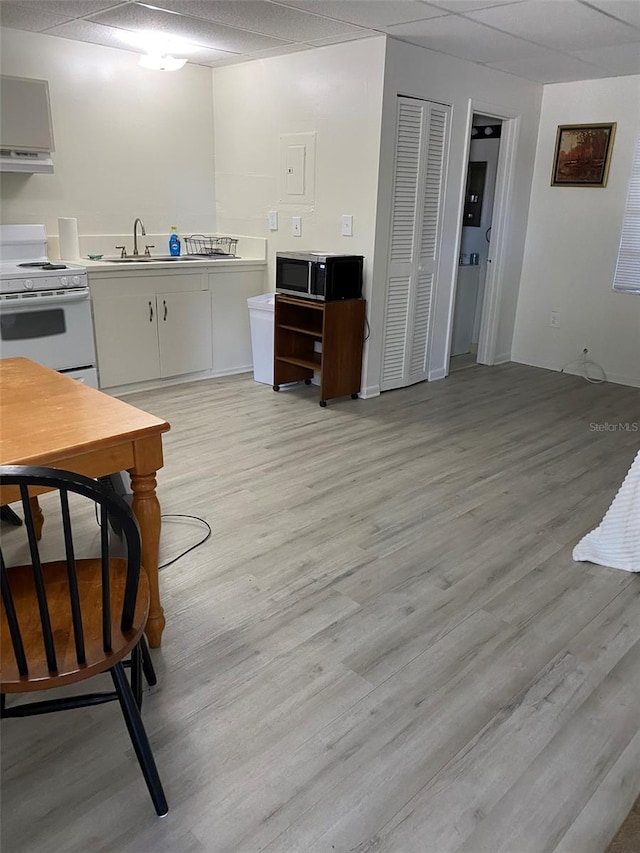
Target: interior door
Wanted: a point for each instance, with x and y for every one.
(421, 143)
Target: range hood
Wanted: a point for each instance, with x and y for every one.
(27, 162)
(26, 131)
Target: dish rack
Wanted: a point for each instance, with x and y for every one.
(199, 244)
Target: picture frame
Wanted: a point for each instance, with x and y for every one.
(583, 154)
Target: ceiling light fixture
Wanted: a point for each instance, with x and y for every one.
(161, 62)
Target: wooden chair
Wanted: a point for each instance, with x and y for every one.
(65, 621)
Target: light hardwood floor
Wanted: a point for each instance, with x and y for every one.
(385, 645)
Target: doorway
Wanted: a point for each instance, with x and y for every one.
(482, 169)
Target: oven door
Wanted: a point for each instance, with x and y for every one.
(293, 276)
(51, 327)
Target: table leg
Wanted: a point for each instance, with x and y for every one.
(147, 510)
(38, 517)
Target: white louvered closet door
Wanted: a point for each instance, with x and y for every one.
(421, 143)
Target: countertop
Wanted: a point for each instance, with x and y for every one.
(133, 266)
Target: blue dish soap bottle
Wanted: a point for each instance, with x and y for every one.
(174, 242)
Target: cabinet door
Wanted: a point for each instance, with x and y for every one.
(126, 339)
(230, 290)
(184, 332)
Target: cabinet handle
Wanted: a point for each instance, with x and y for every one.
(165, 308)
(150, 313)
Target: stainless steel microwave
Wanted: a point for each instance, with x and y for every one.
(318, 275)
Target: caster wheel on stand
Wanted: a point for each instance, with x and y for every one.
(323, 403)
(276, 387)
(354, 396)
(307, 382)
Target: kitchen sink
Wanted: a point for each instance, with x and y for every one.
(145, 259)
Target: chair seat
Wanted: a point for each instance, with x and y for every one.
(55, 575)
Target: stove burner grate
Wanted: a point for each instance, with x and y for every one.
(44, 265)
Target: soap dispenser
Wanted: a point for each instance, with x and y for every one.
(174, 242)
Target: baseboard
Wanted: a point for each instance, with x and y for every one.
(438, 373)
(370, 391)
(616, 378)
(153, 384)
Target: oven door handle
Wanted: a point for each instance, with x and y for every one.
(28, 303)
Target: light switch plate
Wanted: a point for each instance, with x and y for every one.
(272, 218)
(296, 226)
(347, 225)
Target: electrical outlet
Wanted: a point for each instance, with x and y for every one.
(555, 319)
(296, 226)
(347, 225)
(272, 218)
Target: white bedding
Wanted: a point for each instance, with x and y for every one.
(616, 541)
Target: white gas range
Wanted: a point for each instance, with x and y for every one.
(45, 307)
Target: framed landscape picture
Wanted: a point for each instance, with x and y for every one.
(583, 153)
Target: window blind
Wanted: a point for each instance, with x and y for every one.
(627, 274)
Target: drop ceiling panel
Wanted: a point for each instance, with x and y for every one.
(620, 60)
(126, 40)
(460, 6)
(551, 68)
(368, 13)
(542, 40)
(70, 8)
(196, 30)
(278, 51)
(336, 40)
(560, 24)
(466, 39)
(625, 10)
(260, 17)
(237, 60)
(24, 18)
(93, 33)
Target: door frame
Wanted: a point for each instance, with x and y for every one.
(503, 194)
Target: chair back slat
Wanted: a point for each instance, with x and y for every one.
(12, 619)
(106, 589)
(74, 596)
(65, 592)
(38, 579)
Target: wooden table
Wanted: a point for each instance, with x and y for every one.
(48, 419)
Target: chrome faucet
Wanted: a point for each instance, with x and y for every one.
(135, 235)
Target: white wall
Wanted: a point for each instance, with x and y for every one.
(419, 72)
(572, 242)
(335, 91)
(129, 141)
(338, 92)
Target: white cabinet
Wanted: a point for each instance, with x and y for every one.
(155, 324)
(184, 332)
(230, 290)
(150, 326)
(126, 338)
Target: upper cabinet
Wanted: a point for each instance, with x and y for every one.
(26, 130)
